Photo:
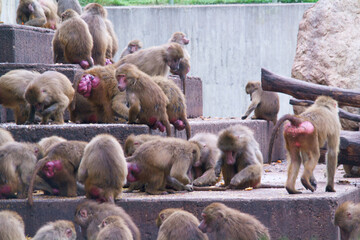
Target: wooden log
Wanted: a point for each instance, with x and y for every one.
(342, 113)
(304, 90)
(349, 148)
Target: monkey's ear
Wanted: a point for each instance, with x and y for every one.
(348, 215)
(162, 216)
(68, 233)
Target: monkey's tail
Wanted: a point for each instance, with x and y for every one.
(38, 166)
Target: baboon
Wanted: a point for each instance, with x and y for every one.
(58, 230)
(164, 161)
(113, 44)
(178, 224)
(11, 225)
(133, 46)
(59, 168)
(100, 87)
(176, 108)
(114, 227)
(94, 15)
(347, 217)
(304, 135)
(82, 110)
(72, 42)
(30, 12)
(241, 161)
(133, 142)
(229, 223)
(48, 142)
(50, 9)
(146, 99)
(12, 90)
(156, 60)
(103, 168)
(203, 171)
(89, 215)
(63, 5)
(5, 136)
(265, 104)
(49, 94)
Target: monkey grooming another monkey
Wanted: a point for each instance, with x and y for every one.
(133, 46)
(114, 227)
(178, 224)
(229, 223)
(133, 142)
(11, 225)
(146, 99)
(304, 135)
(58, 230)
(103, 168)
(49, 94)
(266, 104)
(347, 217)
(72, 42)
(5, 137)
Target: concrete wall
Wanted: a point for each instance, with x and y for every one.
(228, 44)
(8, 12)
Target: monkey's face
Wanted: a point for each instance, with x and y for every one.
(174, 64)
(133, 48)
(122, 82)
(185, 40)
(207, 223)
(82, 217)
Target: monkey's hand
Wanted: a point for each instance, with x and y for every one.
(244, 117)
(188, 188)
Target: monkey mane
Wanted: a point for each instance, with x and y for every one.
(234, 138)
(96, 8)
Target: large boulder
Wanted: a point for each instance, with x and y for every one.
(328, 47)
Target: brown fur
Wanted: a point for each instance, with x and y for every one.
(146, 99)
(351, 171)
(90, 214)
(30, 12)
(63, 5)
(94, 15)
(133, 46)
(203, 171)
(69, 153)
(11, 225)
(113, 45)
(114, 227)
(347, 217)
(238, 142)
(305, 148)
(50, 93)
(229, 223)
(133, 142)
(265, 104)
(12, 90)
(50, 9)
(176, 108)
(103, 168)
(72, 42)
(60, 229)
(48, 142)
(5, 137)
(164, 161)
(155, 60)
(178, 224)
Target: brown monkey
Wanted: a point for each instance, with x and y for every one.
(48, 142)
(155, 60)
(63, 5)
(265, 104)
(347, 217)
(133, 142)
(241, 160)
(59, 230)
(113, 44)
(304, 135)
(114, 227)
(176, 108)
(103, 168)
(82, 110)
(30, 12)
(50, 8)
(12, 90)
(203, 171)
(90, 214)
(178, 224)
(5, 137)
(164, 161)
(49, 94)
(229, 223)
(94, 15)
(146, 99)
(133, 46)
(11, 225)
(72, 42)
(100, 87)
(59, 168)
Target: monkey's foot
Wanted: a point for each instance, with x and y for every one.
(292, 191)
(307, 184)
(329, 189)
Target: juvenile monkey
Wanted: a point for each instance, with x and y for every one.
(72, 42)
(146, 99)
(241, 160)
(229, 223)
(178, 224)
(114, 227)
(176, 108)
(156, 60)
(5, 137)
(103, 168)
(133, 142)
(11, 225)
(49, 94)
(30, 12)
(304, 135)
(63, 5)
(58, 230)
(347, 217)
(133, 46)
(265, 104)
(12, 90)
